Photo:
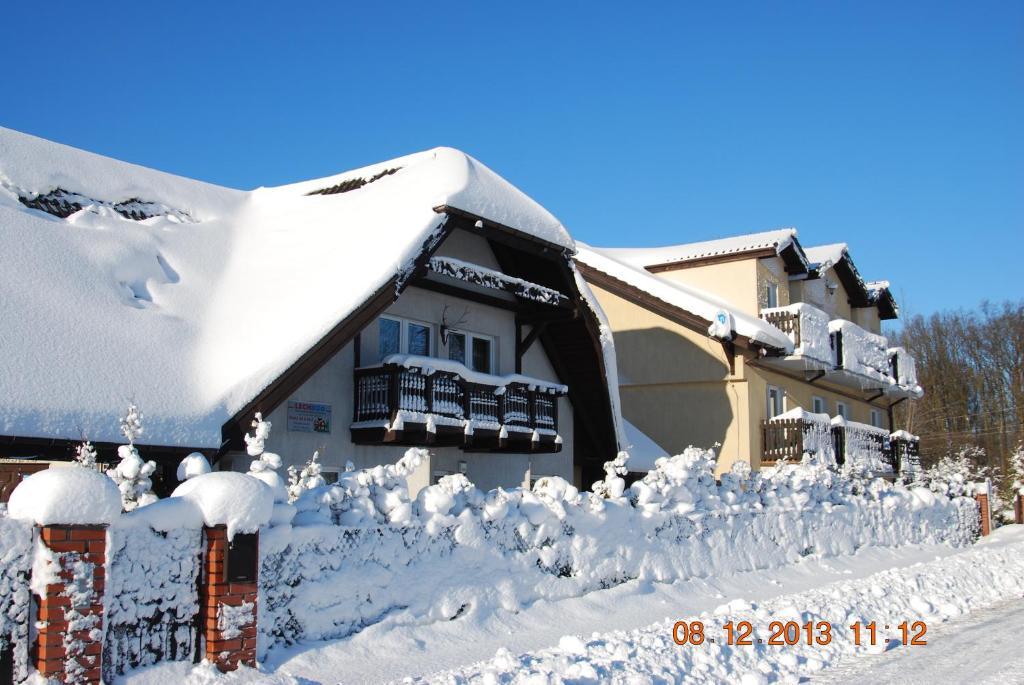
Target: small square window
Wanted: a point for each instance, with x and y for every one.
(773, 295)
(819, 405)
(841, 410)
(876, 418)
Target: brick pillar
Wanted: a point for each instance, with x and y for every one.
(70, 617)
(228, 607)
(1018, 508)
(985, 513)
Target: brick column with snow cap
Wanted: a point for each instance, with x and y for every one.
(982, 494)
(72, 506)
(234, 506)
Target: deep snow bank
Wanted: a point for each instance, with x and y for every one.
(932, 592)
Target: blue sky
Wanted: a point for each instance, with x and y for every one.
(895, 127)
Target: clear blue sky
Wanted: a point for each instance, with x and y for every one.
(896, 127)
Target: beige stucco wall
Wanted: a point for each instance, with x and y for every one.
(735, 282)
(333, 384)
(675, 383)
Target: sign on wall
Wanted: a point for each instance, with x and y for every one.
(309, 417)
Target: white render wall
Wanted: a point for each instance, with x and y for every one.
(333, 384)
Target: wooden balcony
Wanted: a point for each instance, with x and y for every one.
(788, 439)
(787, 322)
(417, 405)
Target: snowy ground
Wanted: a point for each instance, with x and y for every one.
(964, 595)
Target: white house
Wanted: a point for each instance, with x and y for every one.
(421, 301)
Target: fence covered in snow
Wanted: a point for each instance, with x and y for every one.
(346, 556)
(458, 550)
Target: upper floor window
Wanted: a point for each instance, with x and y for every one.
(775, 401)
(397, 336)
(819, 405)
(472, 349)
(772, 296)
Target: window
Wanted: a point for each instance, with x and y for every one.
(773, 295)
(419, 339)
(819, 405)
(390, 336)
(876, 418)
(842, 410)
(330, 475)
(775, 401)
(481, 355)
(398, 336)
(479, 347)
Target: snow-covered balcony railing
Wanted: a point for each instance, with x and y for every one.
(791, 435)
(413, 400)
(807, 328)
(861, 358)
(862, 446)
(903, 369)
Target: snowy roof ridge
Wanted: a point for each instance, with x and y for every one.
(191, 321)
(824, 256)
(688, 298)
(779, 239)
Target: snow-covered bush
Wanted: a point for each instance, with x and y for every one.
(306, 479)
(194, 464)
(85, 455)
(265, 464)
(132, 474)
(1017, 470)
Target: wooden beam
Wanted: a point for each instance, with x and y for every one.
(532, 336)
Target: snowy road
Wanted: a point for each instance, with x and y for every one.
(983, 648)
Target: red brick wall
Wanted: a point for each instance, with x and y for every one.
(986, 514)
(56, 607)
(215, 593)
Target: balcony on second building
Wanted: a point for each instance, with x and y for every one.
(414, 400)
(835, 441)
(842, 352)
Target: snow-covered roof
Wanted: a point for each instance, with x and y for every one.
(685, 297)
(778, 239)
(643, 451)
(824, 256)
(192, 312)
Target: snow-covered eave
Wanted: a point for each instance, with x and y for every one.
(486, 223)
(642, 289)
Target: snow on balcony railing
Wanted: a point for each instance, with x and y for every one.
(796, 433)
(806, 326)
(441, 392)
(860, 352)
(903, 369)
(862, 445)
(906, 451)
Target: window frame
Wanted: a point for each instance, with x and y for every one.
(403, 334)
(771, 293)
(815, 400)
(876, 418)
(468, 337)
(843, 409)
(769, 405)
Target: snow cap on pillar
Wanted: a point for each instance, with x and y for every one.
(236, 500)
(67, 495)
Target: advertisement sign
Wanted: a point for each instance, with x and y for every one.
(309, 417)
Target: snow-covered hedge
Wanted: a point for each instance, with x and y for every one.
(15, 564)
(360, 551)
